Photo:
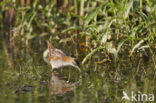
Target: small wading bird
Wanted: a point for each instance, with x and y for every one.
(58, 59)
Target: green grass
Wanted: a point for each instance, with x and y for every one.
(114, 41)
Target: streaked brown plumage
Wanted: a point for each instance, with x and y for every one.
(58, 59)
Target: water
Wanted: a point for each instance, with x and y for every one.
(32, 81)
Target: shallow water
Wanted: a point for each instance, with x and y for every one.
(32, 81)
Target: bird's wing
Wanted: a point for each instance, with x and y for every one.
(61, 52)
(54, 55)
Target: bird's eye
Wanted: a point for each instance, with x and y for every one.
(77, 62)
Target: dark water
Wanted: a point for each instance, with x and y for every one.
(32, 81)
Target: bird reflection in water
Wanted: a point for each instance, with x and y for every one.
(58, 86)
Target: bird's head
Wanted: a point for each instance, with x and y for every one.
(75, 63)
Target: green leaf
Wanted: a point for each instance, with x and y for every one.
(104, 38)
(144, 16)
(137, 46)
(122, 42)
(90, 54)
(72, 28)
(129, 5)
(35, 3)
(91, 15)
(65, 40)
(144, 47)
(119, 45)
(111, 49)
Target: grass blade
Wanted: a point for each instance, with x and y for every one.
(129, 5)
(91, 15)
(136, 46)
(90, 54)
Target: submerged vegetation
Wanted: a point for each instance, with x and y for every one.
(114, 41)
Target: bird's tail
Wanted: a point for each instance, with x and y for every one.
(50, 46)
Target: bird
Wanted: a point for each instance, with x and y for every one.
(58, 58)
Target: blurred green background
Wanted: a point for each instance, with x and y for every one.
(114, 41)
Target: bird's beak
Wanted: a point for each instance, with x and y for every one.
(78, 68)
